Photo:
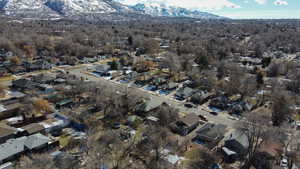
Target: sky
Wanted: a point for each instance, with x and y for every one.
(238, 9)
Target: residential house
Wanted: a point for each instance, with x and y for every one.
(33, 128)
(144, 78)
(102, 68)
(46, 89)
(210, 134)
(36, 141)
(12, 97)
(171, 86)
(64, 103)
(220, 102)
(43, 79)
(159, 81)
(12, 148)
(23, 84)
(38, 65)
(132, 75)
(15, 69)
(55, 121)
(184, 93)
(200, 97)
(88, 60)
(236, 142)
(186, 124)
(148, 106)
(10, 110)
(134, 121)
(7, 132)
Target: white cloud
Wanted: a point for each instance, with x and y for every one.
(190, 4)
(280, 2)
(261, 2)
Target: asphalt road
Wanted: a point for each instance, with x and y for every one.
(221, 118)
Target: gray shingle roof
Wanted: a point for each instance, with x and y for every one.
(240, 137)
(12, 147)
(6, 130)
(36, 140)
(16, 146)
(149, 105)
(212, 131)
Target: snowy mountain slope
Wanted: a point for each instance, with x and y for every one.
(70, 7)
(94, 9)
(62, 7)
(159, 9)
(28, 7)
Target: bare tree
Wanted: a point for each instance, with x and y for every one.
(280, 108)
(38, 161)
(167, 115)
(2, 90)
(105, 147)
(257, 130)
(201, 159)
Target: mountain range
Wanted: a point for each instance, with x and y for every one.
(159, 9)
(97, 8)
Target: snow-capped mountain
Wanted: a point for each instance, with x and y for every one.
(94, 9)
(62, 7)
(160, 9)
(25, 7)
(71, 7)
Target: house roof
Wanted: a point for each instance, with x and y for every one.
(149, 105)
(213, 131)
(64, 102)
(36, 140)
(102, 68)
(172, 85)
(33, 128)
(185, 92)
(42, 78)
(239, 137)
(6, 130)
(12, 147)
(190, 119)
(12, 95)
(23, 83)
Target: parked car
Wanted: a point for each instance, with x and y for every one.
(284, 162)
(116, 125)
(233, 118)
(202, 117)
(189, 105)
(214, 113)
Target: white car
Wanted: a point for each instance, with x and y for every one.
(284, 163)
(233, 118)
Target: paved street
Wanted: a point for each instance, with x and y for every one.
(221, 118)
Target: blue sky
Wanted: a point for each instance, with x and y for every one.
(238, 9)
